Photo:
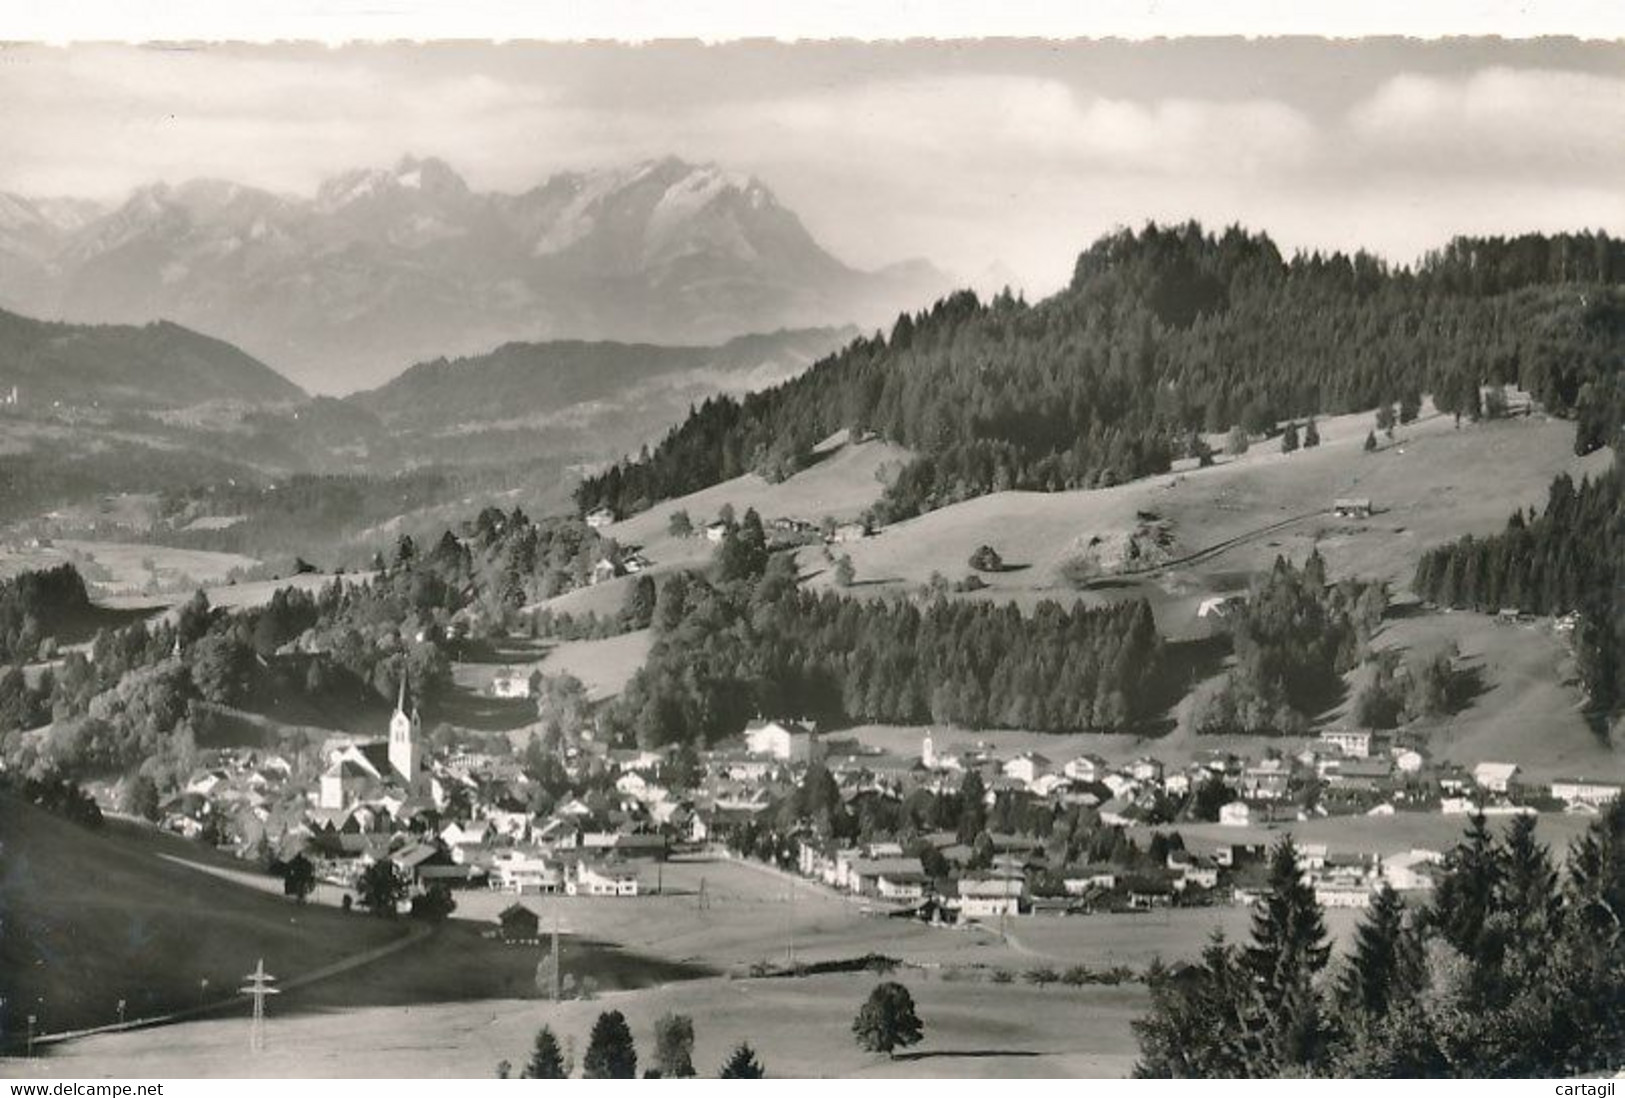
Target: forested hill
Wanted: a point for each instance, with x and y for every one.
(1162, 333)
(158, 365)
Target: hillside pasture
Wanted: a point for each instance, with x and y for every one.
(800, 1028)
(1432, 483)
(90, 918)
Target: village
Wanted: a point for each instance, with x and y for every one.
(465, 819)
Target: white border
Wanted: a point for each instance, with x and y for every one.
(337, 21)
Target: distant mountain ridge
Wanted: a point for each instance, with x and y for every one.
(386, 266)
(155, 365)
(520, 381)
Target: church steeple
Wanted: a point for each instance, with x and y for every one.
(403, 739)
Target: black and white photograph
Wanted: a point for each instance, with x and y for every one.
(926, 556)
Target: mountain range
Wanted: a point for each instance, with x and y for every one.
(390, 266)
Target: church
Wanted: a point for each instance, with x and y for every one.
(358, 772)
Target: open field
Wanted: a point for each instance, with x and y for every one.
(92, 918)
(801, 1028)
(129, 568)
(603, 666)
(1528, 710)
(234, 596)
(1433, 484)
(842, 484)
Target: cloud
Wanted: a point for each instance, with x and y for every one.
(1498, 122)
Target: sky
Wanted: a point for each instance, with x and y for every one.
(976, 155)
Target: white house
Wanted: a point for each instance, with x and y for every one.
(785, 740)
(1235, 814)
(1407, 761)
(511, 684)
(1085, 768)
(603, 880)
(715, 532)
(520, 871)
(1027, 767)
(1341, 895)
(600, 517)
(1495, 776)
(1580, 791)
(989, 897)
(1079, 880)
(1353, 743)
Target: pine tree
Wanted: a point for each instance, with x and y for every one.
(610, 1052)
(1289, 948)
(742, 1064)
(1385, 966)
(1311, 435)
(1464, 904)
(1289, 438)
(1370, 441)
(546, 1060)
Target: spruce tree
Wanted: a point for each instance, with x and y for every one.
(1385, 965)
(610, 1052)
(1289, 438)
(1289, 948)
(742, 1064)
(546, 1060)
(1311, 435)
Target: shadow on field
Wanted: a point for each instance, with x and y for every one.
(483, 713)
(965, 1054)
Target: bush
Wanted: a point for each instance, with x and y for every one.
(986, 559)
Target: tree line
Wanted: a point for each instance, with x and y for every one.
(1163, 333)
(727, 650)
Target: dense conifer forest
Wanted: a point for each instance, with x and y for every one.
(1162, 333)
(757, 642)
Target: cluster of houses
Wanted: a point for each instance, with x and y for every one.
(472, 819)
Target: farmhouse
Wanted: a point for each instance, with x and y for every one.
(1495, 777)
(1235, 814)
(715, 532)
(600, 517)
(510, 684)
(1352, 507)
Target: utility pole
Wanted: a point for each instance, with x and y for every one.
(258, 988)
(558, 960)
(33, 1020)
(790, 927)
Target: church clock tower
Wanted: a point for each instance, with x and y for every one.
(403, 738)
